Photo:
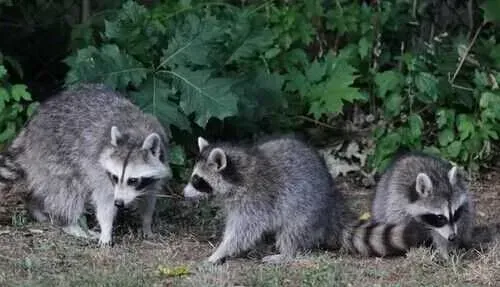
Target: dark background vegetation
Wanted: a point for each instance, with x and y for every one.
(415, 74)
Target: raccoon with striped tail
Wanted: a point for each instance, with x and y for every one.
(283, 186)
(426, 189)
(88, 145)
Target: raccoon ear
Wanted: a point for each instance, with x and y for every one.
(453, 175)
(202, 143)
(115, 135)
(152, 143)
(218, 157)
(423, 184)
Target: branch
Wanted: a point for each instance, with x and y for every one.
(462, 60)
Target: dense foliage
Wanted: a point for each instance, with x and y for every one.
(420, 74)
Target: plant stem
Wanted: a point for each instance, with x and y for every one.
(462, 60)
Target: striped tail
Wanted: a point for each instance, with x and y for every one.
(383, 239)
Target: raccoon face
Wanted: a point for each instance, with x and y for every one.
(208, 173)
(133, 170)
(440, 204)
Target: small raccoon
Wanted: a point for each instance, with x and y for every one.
(423, 188)
(282, 186)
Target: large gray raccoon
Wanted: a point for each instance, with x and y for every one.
(88, 145)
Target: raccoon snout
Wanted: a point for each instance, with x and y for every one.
(452, 237)
(119, 203)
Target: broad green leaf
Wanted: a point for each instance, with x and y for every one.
(427, 85)
(19, 92)
(204, 95)
(465, 126)
(328, 96)
(388, 81)
(363, 47)
(177, 156)
(257, 42)
(453, 150)
(491, 9)
(153, 97)
(260, 94)
(445, 137)
(393, 105)
(315, 72)
(192, 43)
(108, 64)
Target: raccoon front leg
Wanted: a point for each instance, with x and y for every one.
(240, 234)
(105, 214)
(147, 208)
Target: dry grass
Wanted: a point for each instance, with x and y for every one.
(41, 255)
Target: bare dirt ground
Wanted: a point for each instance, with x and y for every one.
(41, 255)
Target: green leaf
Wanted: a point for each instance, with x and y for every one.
(445, 137)
(393, 105)
(257, 42)
(481, 79)
(204, 95)
(19, 92)
(192, 43)
(465, 126)
(177, 156)
(388, 81)
(445, 117)
(32, 108)
(363, 47)
(416, 124)
(315, 72)
(328, 96)
(8, 133)
(427, 85)
(3, 72)
(453, 150)
(491, 9)
(108, 64)
(153, 97)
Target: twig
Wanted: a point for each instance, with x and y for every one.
(317, 122)
(462, 60)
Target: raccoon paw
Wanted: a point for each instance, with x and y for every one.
(275, 259)
(104, 243)
(216, 260)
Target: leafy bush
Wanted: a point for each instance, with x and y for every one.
(16, 105)
(268, 65)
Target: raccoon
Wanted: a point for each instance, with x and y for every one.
(282, 186)
(88, 145)
(430, 191)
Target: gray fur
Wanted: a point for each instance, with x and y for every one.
(279, 186)
(417, 184)
(66, 149)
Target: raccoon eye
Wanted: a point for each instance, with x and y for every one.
(145, 182)
(200, 184)
(112, 177)
(458, 213)
(434, 220)
(133, 181)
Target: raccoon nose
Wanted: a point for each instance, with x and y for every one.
(119, 203)
(452, 237)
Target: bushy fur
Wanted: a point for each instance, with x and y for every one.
(65, 150)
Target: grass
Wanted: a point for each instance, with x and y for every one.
(41, 255)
